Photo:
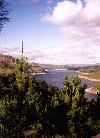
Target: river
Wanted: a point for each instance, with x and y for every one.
(57, 77)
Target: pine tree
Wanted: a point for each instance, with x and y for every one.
(75, 101)
(16, 106)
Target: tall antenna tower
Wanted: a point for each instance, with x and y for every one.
(22, 47)
(22, 50)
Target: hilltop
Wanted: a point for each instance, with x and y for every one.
(7, 65)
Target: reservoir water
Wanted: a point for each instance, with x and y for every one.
(57, 78)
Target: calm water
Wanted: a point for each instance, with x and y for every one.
(57, 77)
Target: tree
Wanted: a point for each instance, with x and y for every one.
(75, 101)
(18, 111)
(32, 108)
(27, 104)
(4, 11)
(83, 116)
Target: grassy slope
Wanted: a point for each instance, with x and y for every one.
(92, 73)
(92, 76)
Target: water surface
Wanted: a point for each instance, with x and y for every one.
(57, 78)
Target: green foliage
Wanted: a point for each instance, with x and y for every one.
(32, 108)
(80, 113)
(26, 104)
(16, 107)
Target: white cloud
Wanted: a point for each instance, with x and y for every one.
(79, 23)
(81, 26)
(65, 55)
(9, 50)
(68, 55)
(69, 13)
(64, 13)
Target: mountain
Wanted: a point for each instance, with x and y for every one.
(7, 65)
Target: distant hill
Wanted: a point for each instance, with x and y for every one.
(68, 67)
(90, 69)
(51, 66)
(7, 65)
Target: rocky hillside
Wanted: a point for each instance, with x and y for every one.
(7, 65)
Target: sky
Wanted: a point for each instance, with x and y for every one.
(53, 31)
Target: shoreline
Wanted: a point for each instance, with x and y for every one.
(38, 73)
(84, 77)
(91, 90)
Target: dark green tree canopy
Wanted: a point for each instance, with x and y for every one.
(32, 108)
(4, 11)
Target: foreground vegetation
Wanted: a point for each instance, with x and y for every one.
(30, 108)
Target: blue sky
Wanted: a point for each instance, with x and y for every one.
(53, 31)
